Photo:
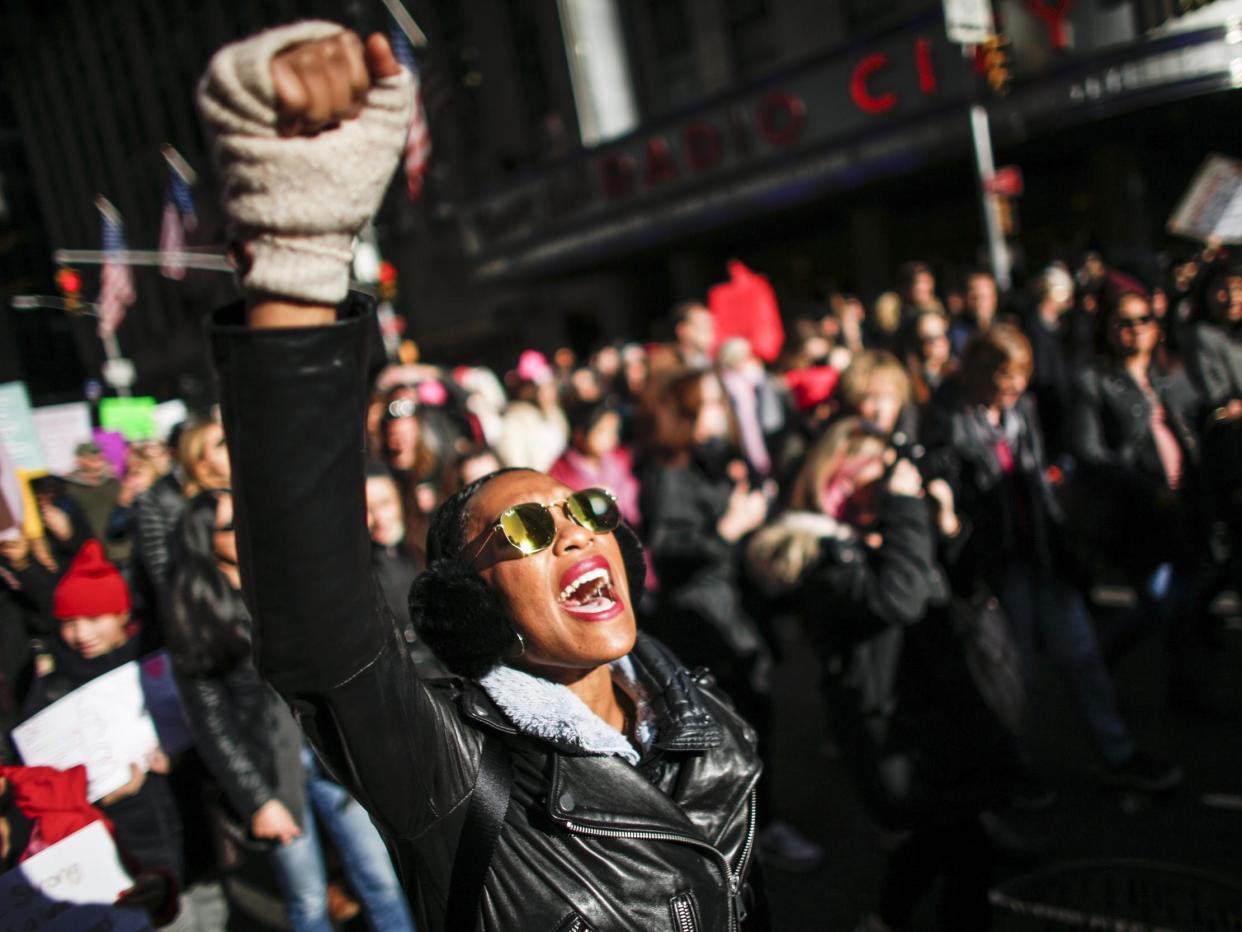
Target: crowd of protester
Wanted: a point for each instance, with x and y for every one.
(946, 465)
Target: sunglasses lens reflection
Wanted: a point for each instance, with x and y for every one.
(595, 510)
(528, 527)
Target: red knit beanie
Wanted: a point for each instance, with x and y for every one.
(91, 587)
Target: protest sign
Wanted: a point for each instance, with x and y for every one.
(168, 414)
(1211, 208)
(105, 725)
(17, 429)
(134, 418)
(12, 497)
(115, 449)
(69, 886)
(60, 429)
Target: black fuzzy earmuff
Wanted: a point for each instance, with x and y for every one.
(463, 622)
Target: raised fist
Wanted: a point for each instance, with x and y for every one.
(308, 125)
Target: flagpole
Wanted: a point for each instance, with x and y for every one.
(208, 261)
(405, 21)
(178, 164)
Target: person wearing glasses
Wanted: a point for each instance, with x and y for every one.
(572, 775)
(1132, 438)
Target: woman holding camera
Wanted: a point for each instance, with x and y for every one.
(855, 556)
(574, 776)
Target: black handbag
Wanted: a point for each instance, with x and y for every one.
(991, 656)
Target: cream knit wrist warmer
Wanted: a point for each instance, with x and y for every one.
(296, 203)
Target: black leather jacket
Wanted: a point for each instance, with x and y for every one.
(1111, 422)
(1013, 517)
(588, 842)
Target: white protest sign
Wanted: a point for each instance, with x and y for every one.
(169, 414)
(1211, 208)
(60, 429)
(70, 886)
(103, 724)
(17, 430)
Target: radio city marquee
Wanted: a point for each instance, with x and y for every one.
(810, 107)
(912, 87)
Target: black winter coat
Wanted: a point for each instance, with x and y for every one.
(1118, 497)
(1014, 517)
(247, 739)
(156, 512)
(921, 746)
(700, 611)
(587, 842)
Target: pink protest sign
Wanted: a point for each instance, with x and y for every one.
(115, 449)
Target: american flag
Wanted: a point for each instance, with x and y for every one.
(116, 283)
(418, 140)
(179, 219)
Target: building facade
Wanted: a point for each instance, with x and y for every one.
(595, 160)
(821, 143)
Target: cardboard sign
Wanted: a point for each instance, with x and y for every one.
(1211, 208)
(70, 886)
(107, 725)
(60, 429)
(134, 418)
(17, 429)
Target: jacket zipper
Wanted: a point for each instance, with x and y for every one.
(733, 881)
(683, 913)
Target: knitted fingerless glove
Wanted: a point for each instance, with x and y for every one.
(296, 203)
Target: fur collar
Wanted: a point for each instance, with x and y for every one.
(543, 709)
(779, 554)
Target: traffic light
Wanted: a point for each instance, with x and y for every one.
(387, 281)
(69, 281)
(992, 61)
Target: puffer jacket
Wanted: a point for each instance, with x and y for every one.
(588, 842)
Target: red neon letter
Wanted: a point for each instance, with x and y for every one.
(703, 146)
(923, 61)
(781, 116)
(1053, 17)
(660, 166)
(863, 98)
(617, 174)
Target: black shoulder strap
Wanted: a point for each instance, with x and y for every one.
(484, 819)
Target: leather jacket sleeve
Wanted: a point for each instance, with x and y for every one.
(218, 738)
(292, 403)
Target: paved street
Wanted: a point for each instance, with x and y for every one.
(1184, 846)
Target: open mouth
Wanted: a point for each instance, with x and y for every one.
(587, 590)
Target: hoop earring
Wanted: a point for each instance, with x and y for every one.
(521, 644)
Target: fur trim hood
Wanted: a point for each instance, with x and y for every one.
(780, 553)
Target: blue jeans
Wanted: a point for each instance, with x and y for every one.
(363, 855)
(1044, 610)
